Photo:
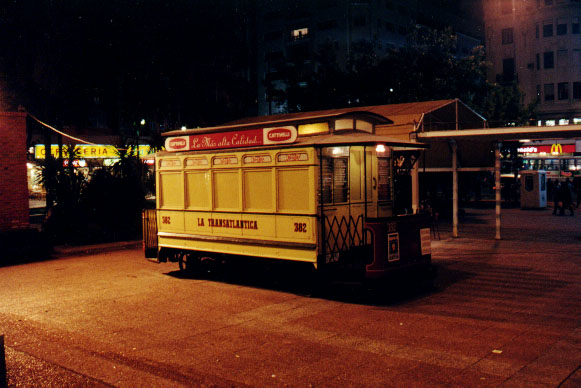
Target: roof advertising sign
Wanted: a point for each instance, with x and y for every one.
(221, 140)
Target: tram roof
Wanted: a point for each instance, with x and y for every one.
(389, 119)
(357, 138)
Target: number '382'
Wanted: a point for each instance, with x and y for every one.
(300, 227)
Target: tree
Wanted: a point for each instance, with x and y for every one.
(426, 68)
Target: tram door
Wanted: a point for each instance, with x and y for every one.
(379, 183)
(343, 199)
(356, 183)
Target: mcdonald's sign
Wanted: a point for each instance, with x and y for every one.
(556, 149)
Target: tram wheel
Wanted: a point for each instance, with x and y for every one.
(187, 261)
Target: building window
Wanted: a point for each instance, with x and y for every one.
(575, 26)
(562, 58)
(538, 91)
(538, 61)
(508, 69)
(507, 35)
(576, 60)
(561, 26)
(548, 60)
(548, 2)
(549, 91)
(563, 90)
(577, 90)
(299, 33)
(547, 29)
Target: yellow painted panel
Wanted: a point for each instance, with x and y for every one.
(295, 254)
(262, 226)
(294, 190)
(355, 174)
(258, 190)
(197, 223)
(225, 224)
(172, 190)
(291, 228)
(170, 221)
(226, 190)
(198, 189)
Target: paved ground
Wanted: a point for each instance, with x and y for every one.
(503, 313)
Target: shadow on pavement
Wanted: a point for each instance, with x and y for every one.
(302, 279)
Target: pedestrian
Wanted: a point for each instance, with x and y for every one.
(565, 197)
(573, 195)
(577, 188)
(557, 205)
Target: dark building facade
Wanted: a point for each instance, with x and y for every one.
(537, 43)
(298, 31)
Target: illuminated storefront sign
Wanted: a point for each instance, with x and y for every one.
(221, 140)
(556, 149)
(85, 151)
(553, 149)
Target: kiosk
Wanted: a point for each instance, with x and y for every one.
(533, 189)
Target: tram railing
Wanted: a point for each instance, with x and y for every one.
(149, 224)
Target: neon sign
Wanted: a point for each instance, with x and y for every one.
(221, 140)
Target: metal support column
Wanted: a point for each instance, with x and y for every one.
(497, 184)
(454, 188)
(415, 189)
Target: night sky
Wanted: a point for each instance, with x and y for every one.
(90, 63)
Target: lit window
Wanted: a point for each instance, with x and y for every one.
(311, 129)
(563, 122)
(299, 33)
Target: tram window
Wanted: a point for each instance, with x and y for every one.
(335, 177)
(340, 180)
(383, 179)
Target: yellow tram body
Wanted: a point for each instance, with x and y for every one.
(253, 203)
(321, 198)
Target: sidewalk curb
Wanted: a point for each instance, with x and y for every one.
(65, 251)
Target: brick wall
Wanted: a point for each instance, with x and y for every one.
(14, 212)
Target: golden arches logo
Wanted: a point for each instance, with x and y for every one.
(556, 149)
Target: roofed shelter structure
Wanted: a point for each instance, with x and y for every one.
(403, 121)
